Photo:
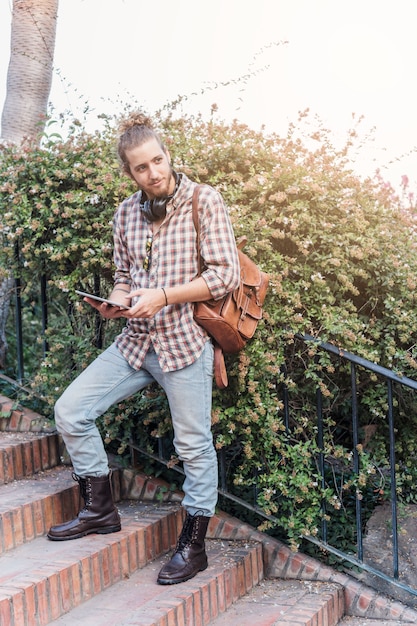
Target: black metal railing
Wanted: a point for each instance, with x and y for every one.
(357, 365)
(43, 302)
(390, 378)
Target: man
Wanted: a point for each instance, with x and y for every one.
(155, 257)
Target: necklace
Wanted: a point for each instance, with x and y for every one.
(148, 250)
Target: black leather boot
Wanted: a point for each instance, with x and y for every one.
(190, 554)
(99, 514)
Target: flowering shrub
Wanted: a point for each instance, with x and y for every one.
(341, 254)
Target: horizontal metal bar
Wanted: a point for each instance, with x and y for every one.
(353, 358)
(155, 457)
(360, 564)
(15, 383)
(222, 492)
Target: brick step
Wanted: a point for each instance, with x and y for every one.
(43, 580)
(17, 418)
(25, 454)
(140, 600)
(29, 507)
(287, 603)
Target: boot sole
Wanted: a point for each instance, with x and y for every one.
(91, 531)
(164, 581)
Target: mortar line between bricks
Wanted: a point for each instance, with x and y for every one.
(33, 519)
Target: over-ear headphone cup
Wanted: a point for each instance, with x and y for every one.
(159, 206)
(154, 209)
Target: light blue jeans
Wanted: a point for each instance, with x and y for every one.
(110, 379)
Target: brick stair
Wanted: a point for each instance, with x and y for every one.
(109, 580)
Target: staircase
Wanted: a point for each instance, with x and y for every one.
(110, 580)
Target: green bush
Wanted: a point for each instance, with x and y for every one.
(341, 254)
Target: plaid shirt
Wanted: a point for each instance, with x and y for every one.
(174, 335)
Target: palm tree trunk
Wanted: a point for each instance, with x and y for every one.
(29, 75)
(29, 81)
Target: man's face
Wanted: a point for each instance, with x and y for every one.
(150, 167)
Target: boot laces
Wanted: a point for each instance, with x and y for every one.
(189, 531)
(185, 536)
(85, 489)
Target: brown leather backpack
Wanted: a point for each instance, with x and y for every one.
(232, 320)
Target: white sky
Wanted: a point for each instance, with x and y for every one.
(343, 57)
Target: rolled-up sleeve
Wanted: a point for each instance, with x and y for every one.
(218, 245)
(121, 257)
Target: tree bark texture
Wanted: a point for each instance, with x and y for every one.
(29, 75)
(25, 109)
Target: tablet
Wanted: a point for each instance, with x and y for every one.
(111, 302)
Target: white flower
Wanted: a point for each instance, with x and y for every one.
(316, 277)
(95, 199)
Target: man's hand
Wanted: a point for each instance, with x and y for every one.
(149, 303)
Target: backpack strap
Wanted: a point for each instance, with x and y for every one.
(196, 222)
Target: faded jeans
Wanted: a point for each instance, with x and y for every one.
(109, 380)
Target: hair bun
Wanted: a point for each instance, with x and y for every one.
(135, 119)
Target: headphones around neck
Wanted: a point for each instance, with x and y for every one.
(156, 209)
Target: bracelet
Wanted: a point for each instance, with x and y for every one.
(124, 290)
(166, 299)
